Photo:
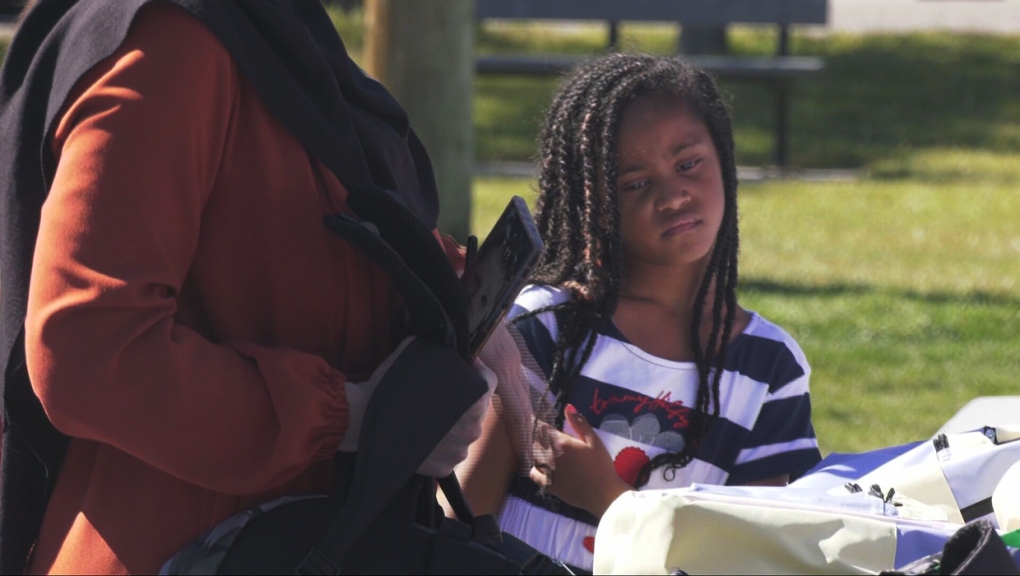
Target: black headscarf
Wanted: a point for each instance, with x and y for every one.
(287, 49)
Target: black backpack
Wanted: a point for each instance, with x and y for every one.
(293, 57)
(382, 518)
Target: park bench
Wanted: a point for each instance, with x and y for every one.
(775, 71)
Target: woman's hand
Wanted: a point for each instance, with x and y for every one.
(583, 475)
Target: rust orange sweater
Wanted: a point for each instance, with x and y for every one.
(190, 320)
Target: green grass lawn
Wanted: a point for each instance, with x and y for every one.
(880, 99)
(903, 287)
(904, 295)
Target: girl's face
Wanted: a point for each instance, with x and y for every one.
(669, 183)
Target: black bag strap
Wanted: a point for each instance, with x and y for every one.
(432, 371)
(319, 119)
(419, 252)
(390, 450)
(327, 129)
(428, 317)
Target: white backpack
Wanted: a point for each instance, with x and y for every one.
(852, 514)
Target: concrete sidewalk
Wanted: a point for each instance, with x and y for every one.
(992, 16)
(862, 16)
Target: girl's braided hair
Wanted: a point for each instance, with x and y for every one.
(579, 220)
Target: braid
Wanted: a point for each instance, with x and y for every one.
(579, 220)
(557, 154)
(577, 142)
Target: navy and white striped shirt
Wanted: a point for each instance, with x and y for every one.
(640, 406)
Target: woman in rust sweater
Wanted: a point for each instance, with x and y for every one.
(190, 323)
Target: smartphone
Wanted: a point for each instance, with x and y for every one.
(498, 270)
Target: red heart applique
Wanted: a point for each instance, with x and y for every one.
(589, 543)
(629, 462)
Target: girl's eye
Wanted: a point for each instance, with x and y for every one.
(688, 165)
(634, 185)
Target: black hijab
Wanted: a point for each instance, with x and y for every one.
(288, 50)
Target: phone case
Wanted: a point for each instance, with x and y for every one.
(499, 270)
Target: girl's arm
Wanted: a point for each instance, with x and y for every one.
(485, 474)
(781, 480)
(492, 460)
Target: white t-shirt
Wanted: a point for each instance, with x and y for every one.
(640, 406)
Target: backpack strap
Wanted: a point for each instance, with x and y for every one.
(391, 449)
(32, 453)
(419, 251)
(428, 317)
(33, 449)
(432, 371)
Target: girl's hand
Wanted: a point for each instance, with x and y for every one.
(584, 475)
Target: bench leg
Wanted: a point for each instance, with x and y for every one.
(782, 49)
(613, 44)
(781, 89)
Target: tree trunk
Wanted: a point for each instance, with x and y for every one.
(423, 52)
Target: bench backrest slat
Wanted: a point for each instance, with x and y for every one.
(690, 12)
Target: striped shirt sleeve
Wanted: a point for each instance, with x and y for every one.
(782, 440)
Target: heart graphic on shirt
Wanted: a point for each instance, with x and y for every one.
(589, 543)
(629, 462)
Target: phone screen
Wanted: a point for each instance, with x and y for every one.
(500, 270)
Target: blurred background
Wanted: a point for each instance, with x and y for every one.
(879, 151)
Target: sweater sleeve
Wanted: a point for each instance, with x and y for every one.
(138, 144)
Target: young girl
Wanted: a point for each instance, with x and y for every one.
(631, 332)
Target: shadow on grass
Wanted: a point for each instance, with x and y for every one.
(883, 97)
(761, 286)
(880, 100)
